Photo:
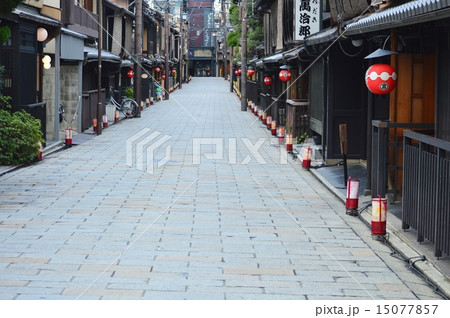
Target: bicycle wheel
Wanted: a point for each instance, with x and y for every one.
(129, 108)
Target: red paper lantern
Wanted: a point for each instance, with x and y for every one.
(130, 74)
(250, 72)
(285, 75)
(163, 76)
(381, 79)
(268, 80)
(236, 72)
(174, 71)
(157, 70)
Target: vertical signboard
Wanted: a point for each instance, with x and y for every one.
(307, 18)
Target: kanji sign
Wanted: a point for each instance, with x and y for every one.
(307, 18)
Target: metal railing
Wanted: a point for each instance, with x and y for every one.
(382, 151)
(426, 199)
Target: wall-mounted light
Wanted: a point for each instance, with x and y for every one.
(42, 34)
(357, 42)
(46, 60)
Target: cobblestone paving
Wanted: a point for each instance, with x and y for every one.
(241, 224)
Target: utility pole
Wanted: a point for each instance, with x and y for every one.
(99, 68)
(166, 50)
(225, 49)
(244, 57)
(231, 69)
(138, 54)
(180, 76)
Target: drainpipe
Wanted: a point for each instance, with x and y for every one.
(57, 85)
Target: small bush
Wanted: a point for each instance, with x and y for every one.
(128, 92)
(20, 134)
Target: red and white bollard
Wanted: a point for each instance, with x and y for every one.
(379, 216)
(351, 202)
(68, 140)
(289, 142)
(255, 110)
(105, 121)
(249, 104)
(94, 124)
(281, 134)
(269, 122)
(306, 162)
(39, 147)
(274, 128)
(151, 101)
(147, 102)
(264, 118)
(142, 105)
(260, 113)
(116, 116)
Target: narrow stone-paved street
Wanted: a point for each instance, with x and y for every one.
(240, 221)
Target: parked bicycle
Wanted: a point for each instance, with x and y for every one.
(127, 106)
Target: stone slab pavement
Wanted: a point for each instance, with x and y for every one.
(195, 200)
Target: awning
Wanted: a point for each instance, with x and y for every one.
(273, 58)
(412, 12)
(326, 35)
(36, 17)
(91, 54)
(73, 33)
(126, 63)
(293, 54)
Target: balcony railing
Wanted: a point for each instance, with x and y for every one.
(79, 19)
(426, 179)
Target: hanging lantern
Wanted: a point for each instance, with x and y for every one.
(130, 74)
(269, 122)
(174, 71)
(163, 77)
(306, 162)
(268, 80)
(239, 71)
(379, 216)
(351, 202)
(236, 72)
(250, 72)
(381, 79)
(157, 70)
(285, 75)
(42, 34)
